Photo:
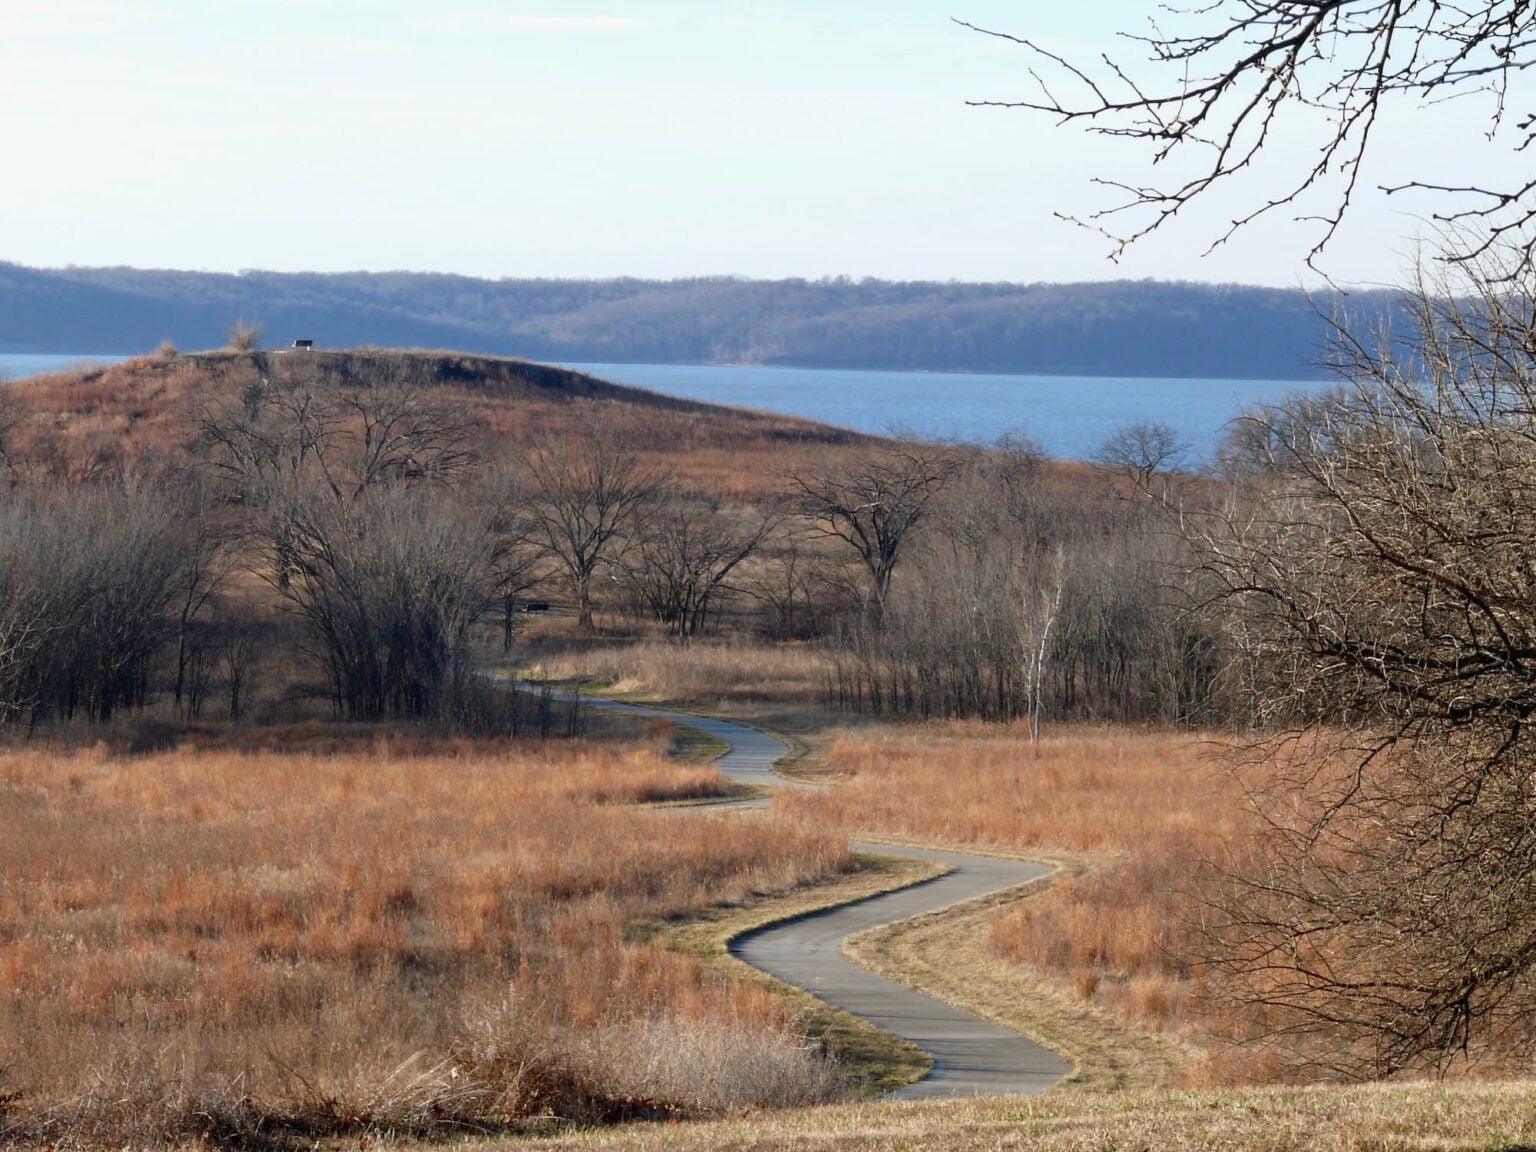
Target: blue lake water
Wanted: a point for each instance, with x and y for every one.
(1070, 416)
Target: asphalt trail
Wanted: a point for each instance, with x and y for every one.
(970, 1056)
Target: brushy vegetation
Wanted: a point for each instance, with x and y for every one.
(215, 945)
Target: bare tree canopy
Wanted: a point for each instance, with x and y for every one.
(1218, 83)
(874, 503)
(1142, 450)
(295, 426)
(686, 552)
(589, 495)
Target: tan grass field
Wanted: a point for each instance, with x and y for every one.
(408, 938)
(725, 676)
(1372, 1118)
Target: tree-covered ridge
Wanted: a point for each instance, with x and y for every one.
(1146, 328)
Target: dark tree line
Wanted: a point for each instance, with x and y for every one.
(1127, 328)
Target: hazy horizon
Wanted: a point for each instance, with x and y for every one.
(1111, 278)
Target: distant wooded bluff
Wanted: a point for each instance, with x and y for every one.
(1120, 328)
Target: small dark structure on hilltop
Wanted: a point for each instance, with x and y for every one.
(303, 345)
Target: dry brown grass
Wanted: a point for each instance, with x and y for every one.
(142, 408)
(194, 944)
(1380, 1118)
(729, 675)
(1132, 813)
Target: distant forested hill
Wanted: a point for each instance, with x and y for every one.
(1141, 328)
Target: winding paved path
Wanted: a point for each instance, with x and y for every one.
(970, 1055)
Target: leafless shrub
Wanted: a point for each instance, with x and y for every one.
(717, 1066)
(646, 1066)
(244, 336)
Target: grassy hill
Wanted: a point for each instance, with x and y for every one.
(99, 416)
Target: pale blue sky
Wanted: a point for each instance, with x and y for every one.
(566, 138)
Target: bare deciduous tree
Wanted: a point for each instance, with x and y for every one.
(686, 551)
(297, 424)
(1381, 571)
(874, 503)
(790, 580)
(295, 432)
(1142, 452)
(1221, 82)
(588, 495)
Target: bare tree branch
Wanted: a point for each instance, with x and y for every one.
(1227, 78)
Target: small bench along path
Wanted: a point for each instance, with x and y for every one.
(970, 1056)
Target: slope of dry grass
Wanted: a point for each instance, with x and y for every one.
(125, 413)
(194, 942)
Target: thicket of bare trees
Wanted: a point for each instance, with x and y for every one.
(386, 579)
(389, 590)
(1023, 599)
(88, 584)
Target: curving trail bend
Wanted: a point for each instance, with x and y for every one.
(971, 1056)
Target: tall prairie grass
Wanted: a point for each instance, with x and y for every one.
(1137, 812)
(207, 943)
(705, 672)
